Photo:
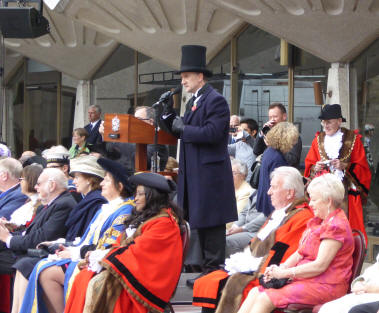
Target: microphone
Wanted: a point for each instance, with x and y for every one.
(166, 96)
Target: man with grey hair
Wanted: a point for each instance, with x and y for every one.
(276, 240)
(94, 113)
(48, 224)
(11, 197)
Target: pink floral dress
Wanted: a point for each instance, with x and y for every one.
(329, 285)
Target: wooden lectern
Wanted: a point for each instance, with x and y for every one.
(127, 128)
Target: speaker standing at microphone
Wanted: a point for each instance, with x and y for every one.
(205, 182)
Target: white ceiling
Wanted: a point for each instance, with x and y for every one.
(88, 31)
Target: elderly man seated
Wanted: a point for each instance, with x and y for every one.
(11, 197)
(249, 222)
(274, 243)
(364, 289)
(48, 224)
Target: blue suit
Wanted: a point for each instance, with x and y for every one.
(94, 136)
(11, 200)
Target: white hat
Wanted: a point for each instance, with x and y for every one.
(369, 127)
(86, 164)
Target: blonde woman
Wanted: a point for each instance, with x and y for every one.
(280, 139)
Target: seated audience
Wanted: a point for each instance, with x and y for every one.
(364, 289)
(275, 242)
(320, 268)
(242, 150)
(24, 215)
(55, 273)
(88, 175)
(280, 139)
(148, 259)
(242, 231)
(26, 155)
(49, 223)
(58, 157)
(11, 197)
(242, 188)
(35, 160)
(79, 146)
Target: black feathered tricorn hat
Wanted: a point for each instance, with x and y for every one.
(194, 60)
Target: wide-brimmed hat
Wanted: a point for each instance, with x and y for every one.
(86, 164)
(117, 170)
(152, 180)
(331, 111)
(194, 60)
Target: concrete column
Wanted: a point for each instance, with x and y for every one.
(338, 89)
(83, 101)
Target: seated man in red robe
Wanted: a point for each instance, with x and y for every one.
(275, 242)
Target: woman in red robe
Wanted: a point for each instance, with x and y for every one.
(140, 274)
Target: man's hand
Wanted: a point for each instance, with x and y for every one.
(338, 164)
(4, 233)
(178, 126)
(234, 230)
(101, 129)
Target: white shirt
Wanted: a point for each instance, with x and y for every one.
(276, 218)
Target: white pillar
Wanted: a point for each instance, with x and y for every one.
(337, 91)
(83, 101)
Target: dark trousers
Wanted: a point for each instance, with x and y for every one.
(212, 244)
(7, 259)
(372, 307)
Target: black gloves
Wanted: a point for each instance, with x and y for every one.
(177, 126)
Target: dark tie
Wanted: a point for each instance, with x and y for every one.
(190, 103)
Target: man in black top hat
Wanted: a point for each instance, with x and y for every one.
(205, 183)
(340, 151)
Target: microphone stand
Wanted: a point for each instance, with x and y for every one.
(156, 129)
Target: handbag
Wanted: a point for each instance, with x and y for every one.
(255, 169)
(44, 250)
(273, 283)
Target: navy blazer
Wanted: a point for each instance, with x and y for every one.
(205, 181)
(94, 137)
(48, 224)
(11, 201)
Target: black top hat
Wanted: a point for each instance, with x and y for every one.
(118, 171)
(194, 60)
(152, 180)
(331, 111)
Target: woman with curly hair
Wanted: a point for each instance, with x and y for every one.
(141, 272)
(280, 139)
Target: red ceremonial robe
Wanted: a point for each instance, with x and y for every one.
(148, 268)
(356, 172)
(207, 289)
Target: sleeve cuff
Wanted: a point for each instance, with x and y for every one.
(8, 242)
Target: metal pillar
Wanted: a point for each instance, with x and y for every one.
(234, 107)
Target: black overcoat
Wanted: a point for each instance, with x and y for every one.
(205, 182)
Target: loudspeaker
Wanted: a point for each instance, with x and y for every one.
(22, 22)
